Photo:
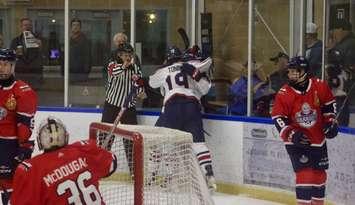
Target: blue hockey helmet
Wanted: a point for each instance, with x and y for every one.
(300, 64)
(7, 54)
(173, 53)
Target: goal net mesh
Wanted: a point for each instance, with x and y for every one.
(155, 166)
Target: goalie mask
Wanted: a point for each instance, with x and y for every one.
(298, 73)
(52, 134)
(7, 63)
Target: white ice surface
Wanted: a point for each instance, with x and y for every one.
(225, 199)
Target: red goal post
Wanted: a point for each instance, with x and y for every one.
(137, 152)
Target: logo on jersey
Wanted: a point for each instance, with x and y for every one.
(10, 103)
(307, 116)
(316, 99)
(3, 113)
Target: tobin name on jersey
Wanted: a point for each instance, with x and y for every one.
(65, 170)
(174, 67)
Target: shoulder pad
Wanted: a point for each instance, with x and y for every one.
(22, 86)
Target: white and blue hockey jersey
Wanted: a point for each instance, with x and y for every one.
(174, 82)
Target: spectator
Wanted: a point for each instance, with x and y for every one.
(120, 39)
(341, 58)
(79, 56)
(238, 92)
(279, 77)
(313, 50)
(28, 47)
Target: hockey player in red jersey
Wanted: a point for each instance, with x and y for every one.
(63, 174)
(18, 104)
(304, 114)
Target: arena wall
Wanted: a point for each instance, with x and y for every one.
(249, 157)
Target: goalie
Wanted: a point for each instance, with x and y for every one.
(183, 84)
(63, 174)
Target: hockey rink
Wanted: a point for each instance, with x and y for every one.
(113, 191)
(225, 199)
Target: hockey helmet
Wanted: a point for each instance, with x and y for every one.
(7, 54)
(173, 53)
(52, 134)
(297, 70)
(7, 64)
(125, 48)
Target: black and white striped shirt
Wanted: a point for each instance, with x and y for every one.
(120, 83)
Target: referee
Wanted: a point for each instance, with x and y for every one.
(120, 83)
(120, 72)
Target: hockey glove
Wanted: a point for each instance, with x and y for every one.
(25, 151)
(299, 139)
(138, 81)
(191, 71)
(331, 129)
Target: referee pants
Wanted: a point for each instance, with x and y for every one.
(129, 117)
(110, 113)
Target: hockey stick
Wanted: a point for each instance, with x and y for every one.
(344, 102)
(128, 99)
(184, 37)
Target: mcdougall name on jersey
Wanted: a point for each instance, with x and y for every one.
(306, 117)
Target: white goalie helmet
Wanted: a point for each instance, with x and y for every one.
(52, 134)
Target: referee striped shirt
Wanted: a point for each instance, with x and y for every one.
(120, 83)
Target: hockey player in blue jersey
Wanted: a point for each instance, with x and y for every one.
(183, 85)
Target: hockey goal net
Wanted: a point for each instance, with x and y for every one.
(156, 166)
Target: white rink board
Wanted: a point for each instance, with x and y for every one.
(243, 155)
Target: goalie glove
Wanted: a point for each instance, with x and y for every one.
(24, 151)
(331, 129)
(191, 71)
(299, 139)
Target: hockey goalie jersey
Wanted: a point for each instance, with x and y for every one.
(68, 175)
(306, 111)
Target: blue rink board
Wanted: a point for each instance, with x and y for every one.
(346, 130)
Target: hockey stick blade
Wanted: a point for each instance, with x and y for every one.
(184, 37)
